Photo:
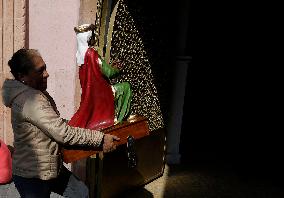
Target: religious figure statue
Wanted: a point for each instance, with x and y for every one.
(102, 104)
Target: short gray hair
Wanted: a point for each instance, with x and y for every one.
(22, 61)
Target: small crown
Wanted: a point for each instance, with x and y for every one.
(84, 28)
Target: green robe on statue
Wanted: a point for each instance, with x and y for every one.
(122, 92)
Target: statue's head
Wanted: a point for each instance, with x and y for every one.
(88, 29)
(86, 37)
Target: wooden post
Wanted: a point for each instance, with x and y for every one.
(13, 33)
(94, 174)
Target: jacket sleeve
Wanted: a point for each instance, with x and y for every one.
(38, 111)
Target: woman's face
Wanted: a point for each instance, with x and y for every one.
(37, 76)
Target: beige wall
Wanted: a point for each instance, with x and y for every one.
(12, 30)
(51, 25)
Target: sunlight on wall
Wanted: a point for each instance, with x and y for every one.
(51, 31)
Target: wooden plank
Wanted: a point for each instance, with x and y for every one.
(110, 31)
(19, 24)
(1, 31)
(8, 34)
(16, 40)
(137, 127)
(1, 72)
(102, 32)
(13, 32)
(8, 49)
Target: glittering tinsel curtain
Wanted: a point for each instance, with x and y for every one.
(127, 45)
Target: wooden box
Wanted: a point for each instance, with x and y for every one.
(108, 175)
(136, 126)
(113, 176)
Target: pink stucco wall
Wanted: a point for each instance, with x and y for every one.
(51, 31)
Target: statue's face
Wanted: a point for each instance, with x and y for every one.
(92, 40)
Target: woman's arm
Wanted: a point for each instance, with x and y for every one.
(38, 111)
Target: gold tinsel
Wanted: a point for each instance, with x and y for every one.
(127, 46)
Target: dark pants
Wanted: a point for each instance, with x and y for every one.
(35, 188)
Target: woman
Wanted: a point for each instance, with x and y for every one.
(39, 132)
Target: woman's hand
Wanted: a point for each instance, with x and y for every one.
(108, 144)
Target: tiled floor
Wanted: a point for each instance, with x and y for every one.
(203, 182)
(199, 181)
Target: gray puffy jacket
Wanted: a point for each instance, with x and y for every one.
(39, 131)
